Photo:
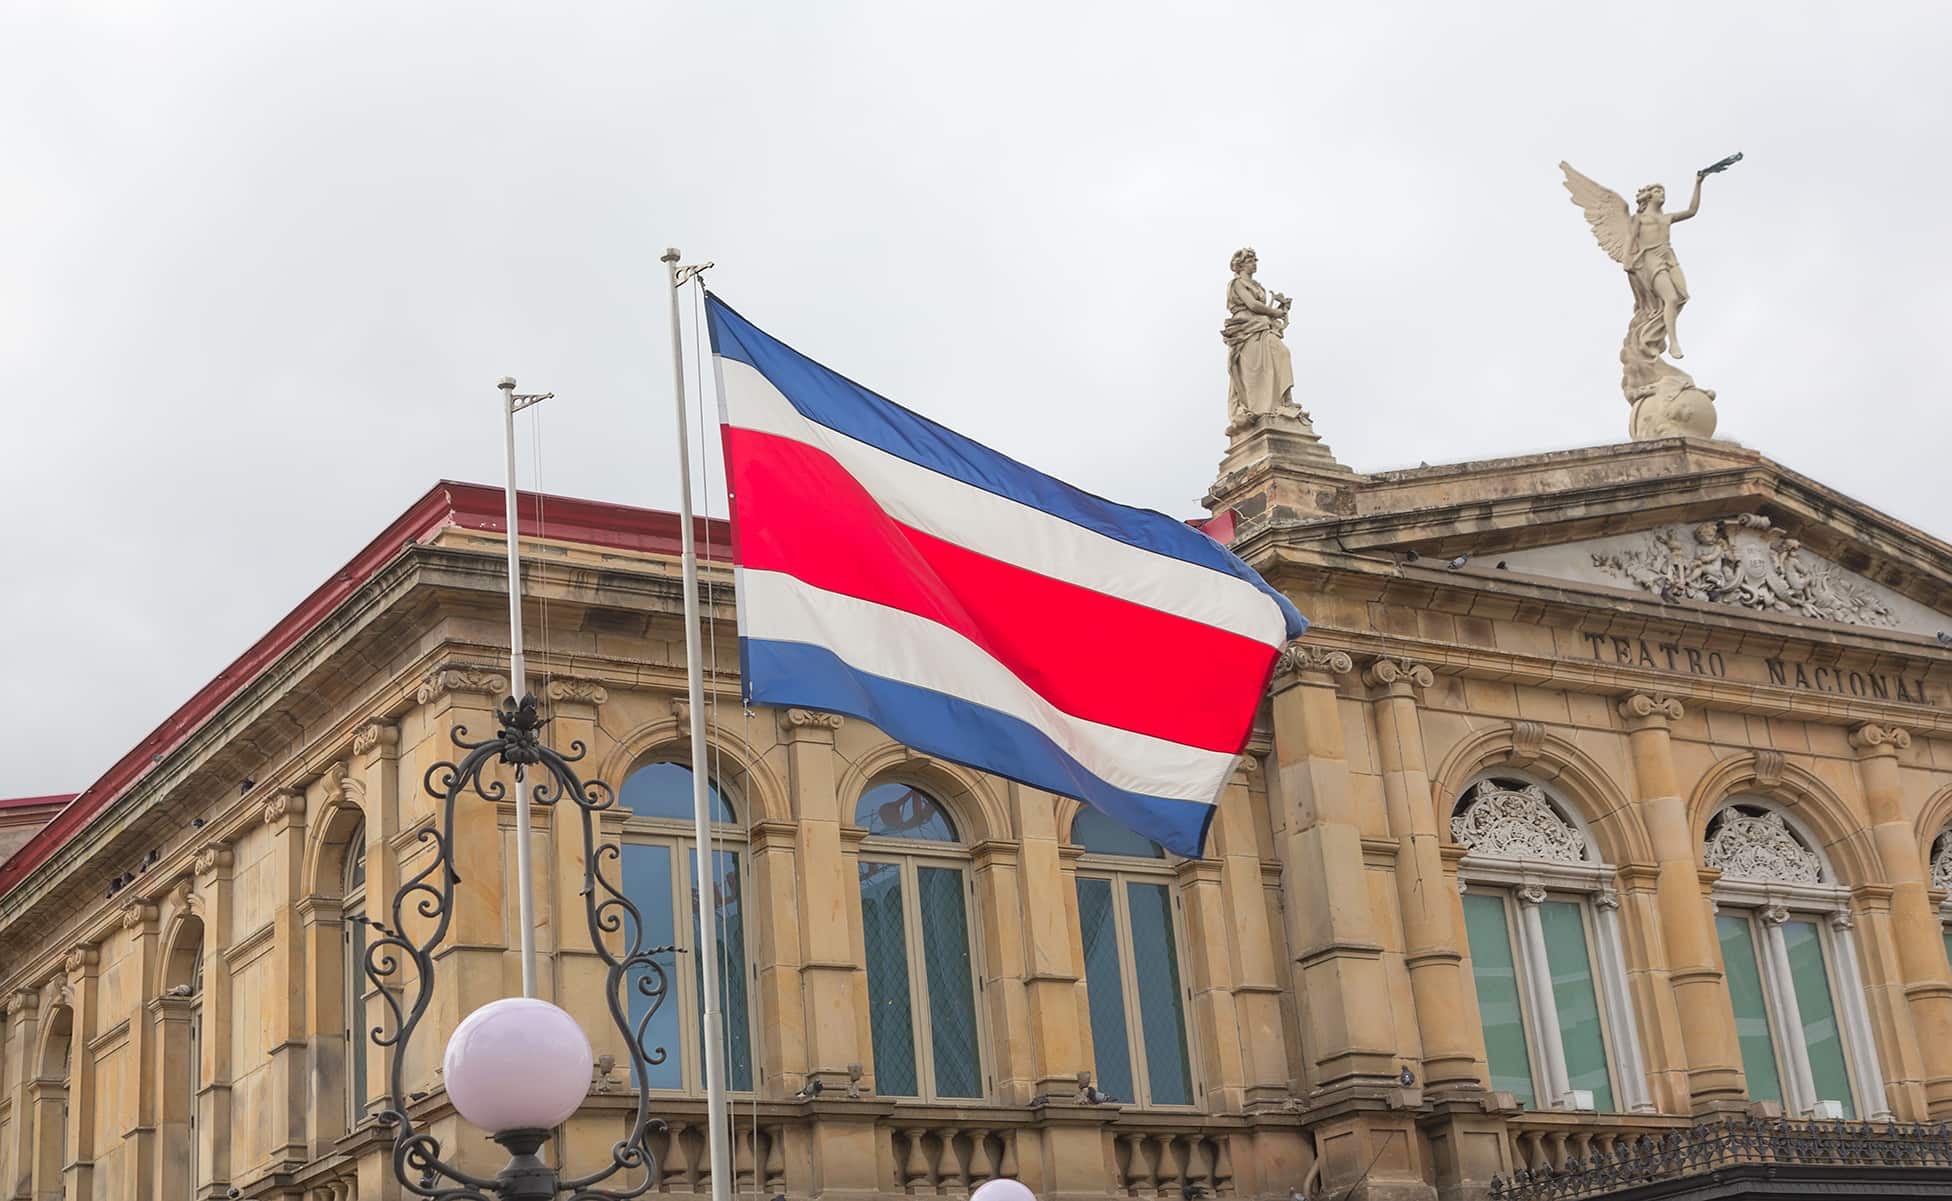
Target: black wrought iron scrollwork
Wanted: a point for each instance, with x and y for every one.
(421, 912)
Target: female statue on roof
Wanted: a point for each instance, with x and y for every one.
(1260, 373)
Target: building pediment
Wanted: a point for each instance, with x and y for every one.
(1742, 560)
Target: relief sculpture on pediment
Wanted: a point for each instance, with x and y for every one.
(1742, 561)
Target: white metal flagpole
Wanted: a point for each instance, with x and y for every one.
(715, 1115)
(518, 682)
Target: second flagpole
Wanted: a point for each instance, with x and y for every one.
(707, 892)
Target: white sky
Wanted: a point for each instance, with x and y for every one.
(262, 263)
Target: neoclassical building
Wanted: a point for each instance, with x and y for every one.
(1607, 798)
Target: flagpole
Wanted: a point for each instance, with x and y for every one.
(721, 1150)
(518, 682)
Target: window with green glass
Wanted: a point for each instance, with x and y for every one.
(1578, 1003)
(1743, 973)
(1496, 973)
(658, 869)
(1822, 1036)
(922, 1016)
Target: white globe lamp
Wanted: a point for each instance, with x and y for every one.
(519, 1063)
(1002, 1189)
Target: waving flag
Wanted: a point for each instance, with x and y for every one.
(972, 608)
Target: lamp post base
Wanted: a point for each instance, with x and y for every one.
(526, 1178)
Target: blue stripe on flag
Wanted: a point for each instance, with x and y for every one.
(840, 404)
(813, 677)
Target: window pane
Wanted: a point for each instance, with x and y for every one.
(664, 790)
(1101, 835)
(1104, 989)
(952, 1000)
(1497, 980)
(646, 874)
(889, 1017)
(730, 929)
(1821, 1034)
(1570, 962)
(898, 811)
(1162, 1020)
(1948, 945)
(1751, 1016)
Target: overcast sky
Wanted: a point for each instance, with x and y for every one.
(262, 263)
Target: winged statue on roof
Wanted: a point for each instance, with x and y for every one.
(1666, 403)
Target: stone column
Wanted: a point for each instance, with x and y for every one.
(216, 893)
(1856, 1022)
(173, 1070)
(284, 818)
(1786, 1016)
(1337, 968)
(1617, 997)
(1206, 967)
(1425, 895)
(1927, 979)
(1545, 1007)
(83, 966)
(999, 924)
(23, 1084)
(1251, 942)
(1687, 924)
(141, 927)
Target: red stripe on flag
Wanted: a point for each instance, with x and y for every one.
(1090, 654)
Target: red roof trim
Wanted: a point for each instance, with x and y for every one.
(470, 506)
(35, 802)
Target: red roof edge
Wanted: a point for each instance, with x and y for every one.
(36, 802)
(470, 506)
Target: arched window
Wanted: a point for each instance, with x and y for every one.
(1791, 965)
(1541, 920)
(352, 913)
(181, 1016)
(659, 843)
(1940, 872)
(1127, 914)
(915, 925)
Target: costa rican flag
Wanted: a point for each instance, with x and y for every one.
(892, 570)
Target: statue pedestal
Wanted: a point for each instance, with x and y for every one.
(1277, 467)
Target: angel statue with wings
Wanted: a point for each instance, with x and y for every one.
(1666, 402)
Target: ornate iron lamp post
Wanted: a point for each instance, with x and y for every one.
(520, 1066)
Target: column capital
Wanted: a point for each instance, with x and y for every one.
(285, 808)
(376, 736)
(1872, 739)
(1398, 677)
(460, 678)
(24, 1001)
(808, 725)
(1301, 658)
(1644, 710)
(1606, 898)
(213, 858)
(562, 690)
(83, 959)
(140, 915)
(1531, 894)
(1773, 915)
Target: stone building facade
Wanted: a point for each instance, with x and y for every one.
(1607, 795)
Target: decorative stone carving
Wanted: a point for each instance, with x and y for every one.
(1515, 823)
(139, 914)
(23, 1001)
(1531, 894)
(681, 709)
(1526, 739)
(1300, 656)
(1773, 915)
(1666, 403)
(1606, 898)
(586, 692)
(1640, 706)
(1750, 843)
(444, 680)
(1842, 920)
(85, 956)
(1875, 738)
(1743, 561)
(375, 735)
(1769, 768)
(1398, 675)
(212, 857)
(285, 804)
(1942, 862)
(802, 719)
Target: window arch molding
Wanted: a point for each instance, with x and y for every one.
(737, 767)
(1817, 813)
(972, 800)
(1529, 751)
(1934, 821)
(1541, 919)
(325, 855)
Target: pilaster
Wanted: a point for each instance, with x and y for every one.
(216, 889)
(1687, 924)
(140, 927)
(1926, 984)
(83, 967)
(22, 1084)
(1059, 1038)
(1425, 896)
(1250, 940)
(1335, 953)
(999, 901)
